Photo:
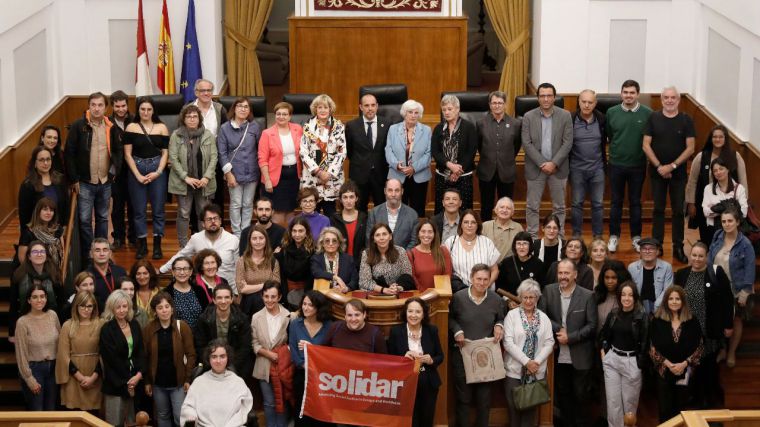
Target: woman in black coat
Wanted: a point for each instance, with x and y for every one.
(331, 263)
(417, 339)
(709, 296)
(123, 357)
(675, 348)
(453, 146)
(522, 265)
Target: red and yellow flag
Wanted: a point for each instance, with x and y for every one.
(165, 73)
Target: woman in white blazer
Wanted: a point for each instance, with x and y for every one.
(408, 155)
(529, 340)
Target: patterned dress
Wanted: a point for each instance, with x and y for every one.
(323, 148)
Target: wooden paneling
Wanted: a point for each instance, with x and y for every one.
(338, 55)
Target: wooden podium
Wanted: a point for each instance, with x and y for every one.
(387, 312)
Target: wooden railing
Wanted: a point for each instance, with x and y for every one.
(50, 419)
(728, 418)
(71, 245)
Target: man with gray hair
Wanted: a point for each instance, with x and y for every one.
(502, 230)
(587, 163)
(572, 311)
(547, 138)
(668, 144)
(214, 115)
(498, 143)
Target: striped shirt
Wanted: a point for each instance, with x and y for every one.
(483, 252)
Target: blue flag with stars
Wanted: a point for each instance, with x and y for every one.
(191, 59)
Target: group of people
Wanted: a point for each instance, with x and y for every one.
(242, 302)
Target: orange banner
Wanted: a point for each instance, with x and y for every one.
(352, 387)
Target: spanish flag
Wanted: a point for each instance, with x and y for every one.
(165, 73)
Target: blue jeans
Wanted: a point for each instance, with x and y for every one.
(44, 373)
(93, 197)
(634, 178)
(168, 402)
(153, 192)
(591, 183)
(241, 206)
(274, 418)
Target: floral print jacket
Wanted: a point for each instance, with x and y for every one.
(326, 153)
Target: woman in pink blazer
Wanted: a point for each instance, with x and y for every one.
(280, 162)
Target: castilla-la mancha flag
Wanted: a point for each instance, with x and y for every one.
(165, 73)
(352, 387)
(143, 85)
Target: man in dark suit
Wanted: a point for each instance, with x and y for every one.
(400, 218)
(365, 142)
(573, 314)
(499, 142)
(547, 138)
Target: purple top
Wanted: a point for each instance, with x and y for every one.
(316, 221)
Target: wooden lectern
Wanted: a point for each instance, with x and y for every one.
(387, 312)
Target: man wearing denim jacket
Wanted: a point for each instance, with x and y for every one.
(651, 274)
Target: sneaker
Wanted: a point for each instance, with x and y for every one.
(635, 243)
(612, 244)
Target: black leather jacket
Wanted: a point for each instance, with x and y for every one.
(640, 332)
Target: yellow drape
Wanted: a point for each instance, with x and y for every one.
(511, 22)
(244, 22)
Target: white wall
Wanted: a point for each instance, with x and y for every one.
(708, 48)
(51, 48)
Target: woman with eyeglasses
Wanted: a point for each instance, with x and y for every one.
(190, 299)
(193, 156)
(280, 162)
(574, 250)
(549, 247)
(146, 152)
(308, 200)
(37, 268)
(521, 266)
(332, 264)
(42, 181)
(78, 369)
(237, 143)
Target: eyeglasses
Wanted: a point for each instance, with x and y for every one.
(37, 252)
(309, 201)
(87, 306)
(204, 90)
(193, 117)
(522, 243)
(182, 269)
(331, 241)
(213, 219)
(243, 106)
(45, 160)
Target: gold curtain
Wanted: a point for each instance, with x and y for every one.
(511, 21)
(244, 22)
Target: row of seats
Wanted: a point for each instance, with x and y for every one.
(389, 97)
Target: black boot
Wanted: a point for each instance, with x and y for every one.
(157, 254)
(142, 248)
(679, 255)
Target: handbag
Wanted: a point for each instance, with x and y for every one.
(529, 395)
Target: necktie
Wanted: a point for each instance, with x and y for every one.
(369, 134)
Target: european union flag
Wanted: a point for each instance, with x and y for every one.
(191, 59)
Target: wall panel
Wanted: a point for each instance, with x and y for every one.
(722, 77)
(328, 56)
(30, 62)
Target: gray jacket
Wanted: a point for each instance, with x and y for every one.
(582, 318)
(562, 142)
(403, 235)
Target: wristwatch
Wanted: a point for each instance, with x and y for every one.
(675, 166)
